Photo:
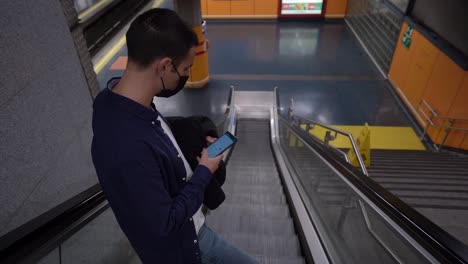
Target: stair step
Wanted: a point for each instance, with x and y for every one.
(332, 184)
(398, 175)
(418, 166)
(429, 193)
(420, 157)
(333, 198)
(429, 202)
(434, 188)
(400, 170)
(438, 160)
(329, 190)
(435, 181)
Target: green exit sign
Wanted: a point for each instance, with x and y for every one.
(407, 37)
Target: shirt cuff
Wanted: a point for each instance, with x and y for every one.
(203, 173)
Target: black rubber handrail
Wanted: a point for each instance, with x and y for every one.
(103, 28)
(33, 240)
(434, 239)
(85, 21)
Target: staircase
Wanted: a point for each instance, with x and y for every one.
(436, 184)
(255, 216)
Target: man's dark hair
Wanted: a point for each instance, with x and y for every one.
(159, 33)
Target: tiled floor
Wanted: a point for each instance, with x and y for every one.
(320, 65)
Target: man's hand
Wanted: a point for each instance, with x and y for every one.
(210, 140)
(211, 163)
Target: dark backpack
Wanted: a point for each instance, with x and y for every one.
(190, 133)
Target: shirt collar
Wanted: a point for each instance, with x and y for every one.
(128, 104)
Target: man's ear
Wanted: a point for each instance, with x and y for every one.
(162, 66)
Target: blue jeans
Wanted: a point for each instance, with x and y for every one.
(215, 250)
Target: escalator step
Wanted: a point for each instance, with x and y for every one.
(280, 260)
(252, 197)
(250, 163)
(250, 225)
(255, 215)
(254, 210)
(257, 171)
(248, 188)
(265, 245)
(250, 179)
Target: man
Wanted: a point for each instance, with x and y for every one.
(149, 185)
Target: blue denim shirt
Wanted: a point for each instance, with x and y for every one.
(142, 177)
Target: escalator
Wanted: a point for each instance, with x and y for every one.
(255, 215)
(290, 199)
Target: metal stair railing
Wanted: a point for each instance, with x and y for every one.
(310, 124)
(430, 120)
(330, 135)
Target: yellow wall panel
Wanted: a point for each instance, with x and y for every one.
(336, 8)
(266, 7)
(401, 61)
(204, 7)
(442, 88)
(425, 72)
(464, 144)
(422, 63)
(242, 7)
(219, 7)
(460, 109)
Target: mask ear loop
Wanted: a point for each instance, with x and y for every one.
(175, 68)
(162, 81)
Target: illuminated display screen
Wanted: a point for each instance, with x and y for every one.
(301, 7)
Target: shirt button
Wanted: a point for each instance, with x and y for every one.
(178, 155)
(195, 241)
(152, 122)
(191, 219)
(183, 179)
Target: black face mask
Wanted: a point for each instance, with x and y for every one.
(168, 93)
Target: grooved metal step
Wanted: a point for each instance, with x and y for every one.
(248, 188)
(255, 215)
(253, 225)
(262, 198)
(266, 245)
(280, 260)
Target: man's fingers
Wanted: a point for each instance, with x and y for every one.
(204, 152)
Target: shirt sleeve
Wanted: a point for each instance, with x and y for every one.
(138, 191)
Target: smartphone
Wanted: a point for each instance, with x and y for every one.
(221, 144)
